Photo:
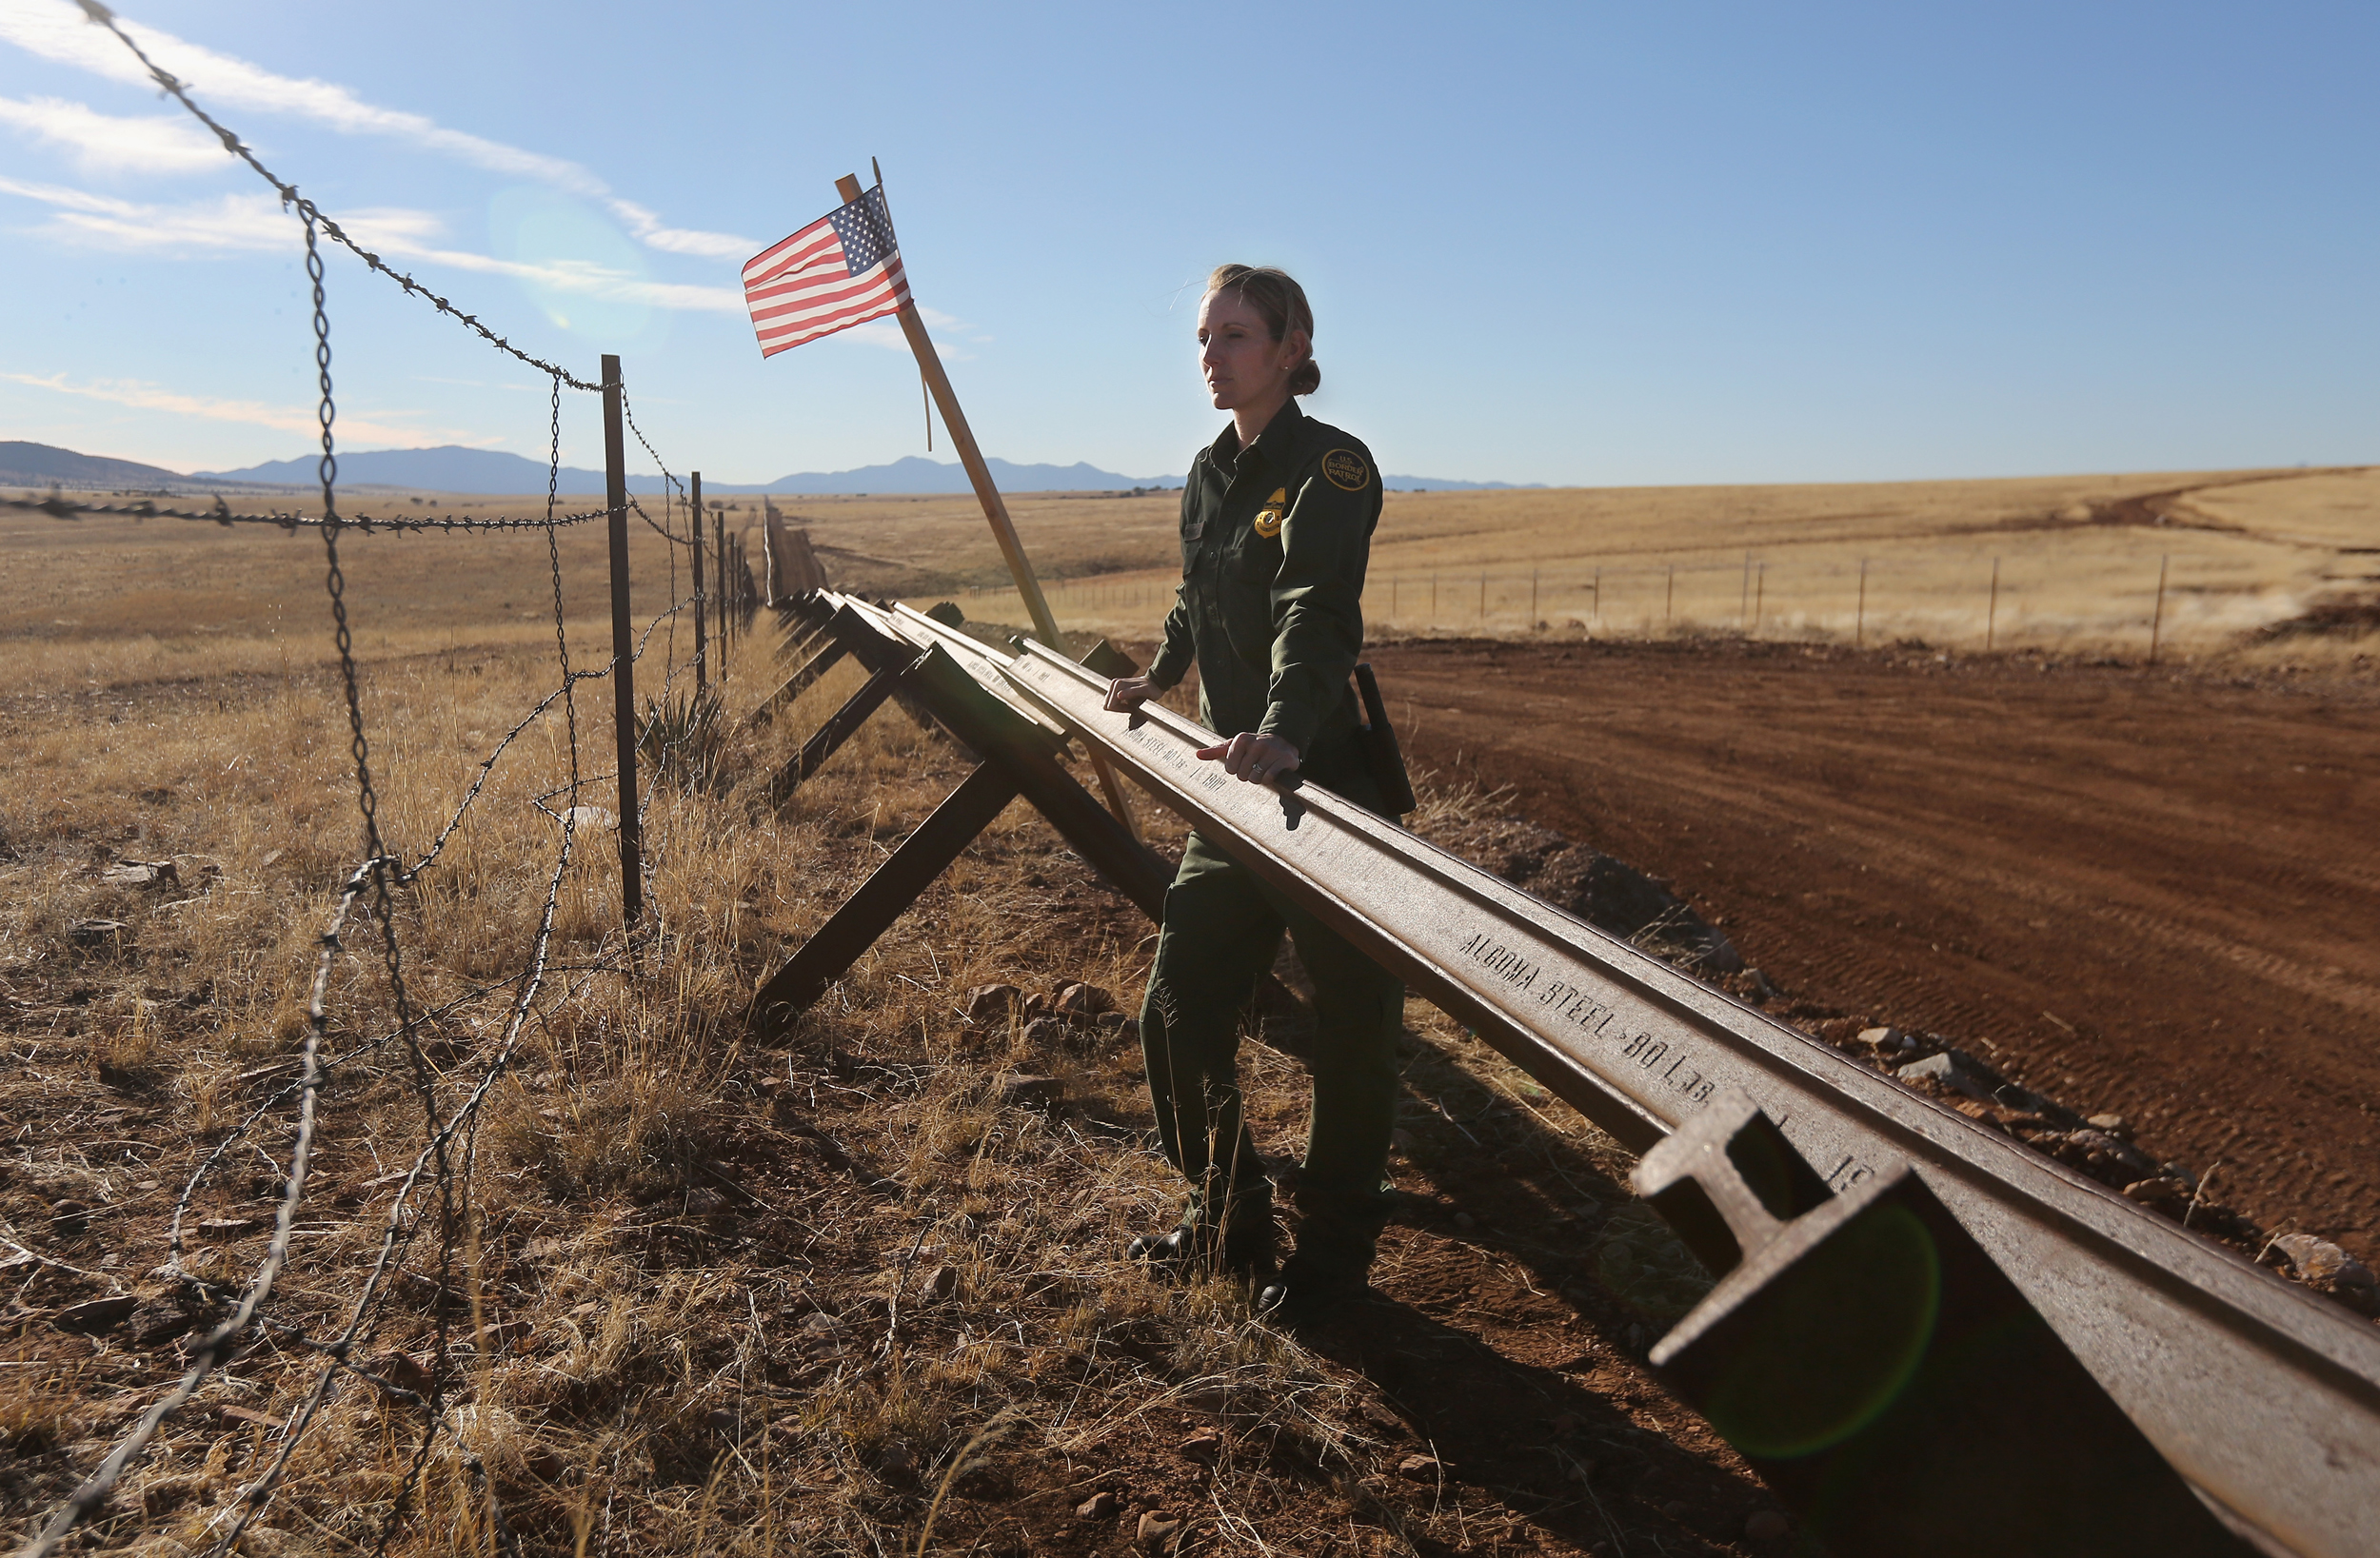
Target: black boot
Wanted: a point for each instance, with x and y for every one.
(1244, 1247)
(1312, 1291)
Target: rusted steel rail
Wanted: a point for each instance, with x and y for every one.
(2265, 1398)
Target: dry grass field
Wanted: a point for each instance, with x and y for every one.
(842, 1296)
(848, 1295)
(2077, 561)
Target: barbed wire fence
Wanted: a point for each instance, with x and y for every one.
(430, 1195)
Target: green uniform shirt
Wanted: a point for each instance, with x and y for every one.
(1273, 542)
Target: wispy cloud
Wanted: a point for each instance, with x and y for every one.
(103, 142)
(140, 395)
(228, 223)
(56, 30)
(649, 230)
(256, 221)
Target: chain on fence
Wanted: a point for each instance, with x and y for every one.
(429, 1192)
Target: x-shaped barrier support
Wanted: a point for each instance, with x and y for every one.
(1017, 756)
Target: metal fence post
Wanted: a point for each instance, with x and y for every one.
(719, 550)
(622, 647)
(694, 534)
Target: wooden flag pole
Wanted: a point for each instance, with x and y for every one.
(1004, 530)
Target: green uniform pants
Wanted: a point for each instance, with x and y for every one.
(1221, 932)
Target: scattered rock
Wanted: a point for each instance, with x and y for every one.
(2026, 1102)
(1031, 1091)
(820, 1323)
(1080, 1003)
(1886, 1041)
(402, 1370)
(160, 1319)
(940, 1284)
(93, 1316)
(1951, 1070)
(1203, 1446)
(1753, 985)
(896, 1460)
(2319, 1260)
(2103, 1154)
(1157, 1533)
(1045, 1031)
(703, 1201)
(227, 1227)
(989, 1004)
(1607, 893)
(1418, 1468)
(141, 874)
(68, 1219)
(590, 816)
(1098, 1506)
(1118, 1022)
(1765, 1525)
(2161, 1192)
(96, 933)
(2115, 1125)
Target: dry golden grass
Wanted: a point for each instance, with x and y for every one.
(836, 1297)
(704, 1297)
(2078, 559)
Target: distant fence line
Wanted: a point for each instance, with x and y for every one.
(1864, 603)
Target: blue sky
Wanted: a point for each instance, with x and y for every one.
(1585, 244)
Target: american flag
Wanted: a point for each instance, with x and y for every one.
(842, 269)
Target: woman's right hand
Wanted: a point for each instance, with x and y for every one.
(1125, 694)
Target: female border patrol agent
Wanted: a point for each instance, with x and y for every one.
(1276, 520)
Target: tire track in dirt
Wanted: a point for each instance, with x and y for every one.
(2150, 893)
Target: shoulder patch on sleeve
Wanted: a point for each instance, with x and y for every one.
(1347, 469)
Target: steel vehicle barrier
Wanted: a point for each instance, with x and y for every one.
(1781, 1157)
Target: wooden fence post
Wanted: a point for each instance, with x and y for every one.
(1992, 612)
(622, 647)
(2156, 623)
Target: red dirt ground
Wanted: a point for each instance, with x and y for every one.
(2151, 892)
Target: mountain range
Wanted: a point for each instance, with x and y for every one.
(453, 468)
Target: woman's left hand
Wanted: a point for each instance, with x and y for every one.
(1257, 760)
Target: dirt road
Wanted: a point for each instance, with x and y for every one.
(2144, 891)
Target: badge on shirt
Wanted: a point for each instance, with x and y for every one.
(1347, 469)
(1268, 519)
